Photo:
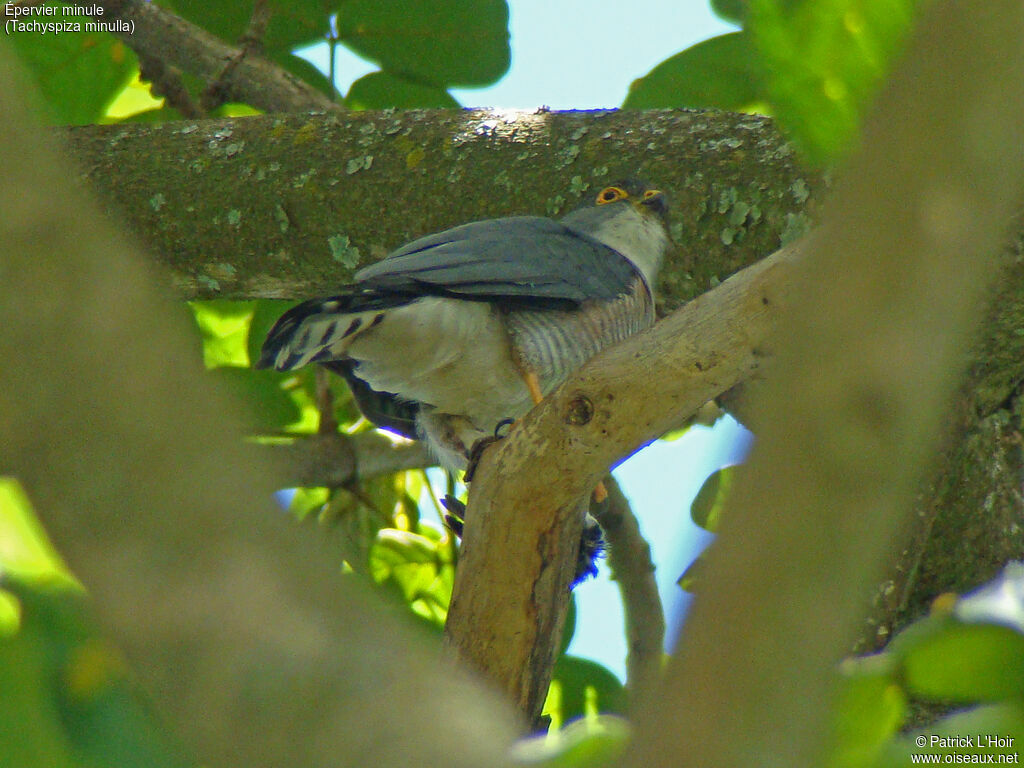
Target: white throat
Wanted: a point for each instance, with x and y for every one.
(639, 238)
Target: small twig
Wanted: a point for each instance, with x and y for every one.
(359, 494)
(325, 403)
(165, 80)
(251, 41)
(158, 33)
(629, 557)
(252, 38)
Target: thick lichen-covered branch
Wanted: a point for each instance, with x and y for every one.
(290, 206)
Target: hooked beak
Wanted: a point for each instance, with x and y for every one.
(655, 201)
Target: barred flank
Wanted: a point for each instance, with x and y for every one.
(555, 343)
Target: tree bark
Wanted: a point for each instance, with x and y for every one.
(969, 517)
(291, 206)
(239, 75)
(629, 558)
(331, 461)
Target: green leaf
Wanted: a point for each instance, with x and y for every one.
(570, 626)
(594, 742)
(419, 566)
(76, 687)
(305, 71)
(161, 115)
(394, 548)
(869, 710)
(224, 326)
(135, 98)
(823, 61)
(722, 72)
(730, 10)
(706, 509)
(436, 42)
(587, 688)
(307, 501)
(25, 549)
(226, 329)
(272, 408)
(382, 90)
(78, 73)
(989, 662)
(31, 734)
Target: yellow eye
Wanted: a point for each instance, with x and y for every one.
(611, 194)
(651, 193)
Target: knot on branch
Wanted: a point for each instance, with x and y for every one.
(579, 411)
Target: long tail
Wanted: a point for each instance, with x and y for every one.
(322, 329)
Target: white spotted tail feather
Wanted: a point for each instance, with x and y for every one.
(316, 331)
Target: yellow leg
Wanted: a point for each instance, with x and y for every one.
(533, 384)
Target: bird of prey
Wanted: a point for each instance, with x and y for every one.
(456, 332)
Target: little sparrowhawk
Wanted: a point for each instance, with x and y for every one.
(458, 331)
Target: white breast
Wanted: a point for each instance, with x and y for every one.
(449, 354)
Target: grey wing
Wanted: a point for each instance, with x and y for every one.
(521, 258)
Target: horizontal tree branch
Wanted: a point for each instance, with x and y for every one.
(291, 206)
(332, 460)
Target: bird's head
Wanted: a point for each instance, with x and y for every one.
(646, 200)
(630, 216)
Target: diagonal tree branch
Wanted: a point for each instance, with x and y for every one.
(515, 567)
(240, 75)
